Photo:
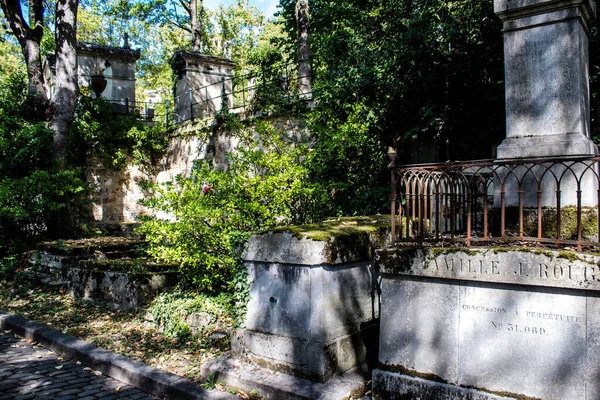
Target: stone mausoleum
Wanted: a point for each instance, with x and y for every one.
(117, 64)
(200, 82)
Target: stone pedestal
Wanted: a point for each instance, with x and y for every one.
(546, 61)
(314, 304)
(547, 77)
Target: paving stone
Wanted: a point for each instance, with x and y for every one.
(32, 372)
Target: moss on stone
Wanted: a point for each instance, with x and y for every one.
(343, 227)
(569, 255)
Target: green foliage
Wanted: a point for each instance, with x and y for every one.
(207, 216)
(33, 192)
(424, 71)
(349, 160)
(169, 311)
(115, 139)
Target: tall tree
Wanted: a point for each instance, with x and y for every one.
(29, 35)
(195, 6)
(65, 97)
(304, 53)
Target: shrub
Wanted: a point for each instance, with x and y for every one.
(33, 192)
(206, 216)
(170, 311)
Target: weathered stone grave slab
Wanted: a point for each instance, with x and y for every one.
(498, 323)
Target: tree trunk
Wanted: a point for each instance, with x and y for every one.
(29, 37)
(304, 54)
(196, 7)
(65, 97)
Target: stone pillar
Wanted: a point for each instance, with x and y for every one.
(546, 61)
(547, 77)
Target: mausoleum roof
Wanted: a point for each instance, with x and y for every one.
(125, 52)
(191, 55)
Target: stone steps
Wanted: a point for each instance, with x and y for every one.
(112, 270)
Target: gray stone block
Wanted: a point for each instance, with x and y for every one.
(518, 334)
(546, 75)
(508, 322)
(415, 334)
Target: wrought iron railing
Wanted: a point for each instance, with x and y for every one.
(145, 111)
(542, 200)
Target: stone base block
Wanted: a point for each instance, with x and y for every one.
(395, 386)
(546, 146)
(270, 386)
(319, 361)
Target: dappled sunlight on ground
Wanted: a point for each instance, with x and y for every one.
(126, 333)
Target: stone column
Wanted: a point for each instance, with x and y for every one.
(547, 77)
(546, 61)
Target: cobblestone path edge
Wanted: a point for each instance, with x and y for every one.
(132, 372)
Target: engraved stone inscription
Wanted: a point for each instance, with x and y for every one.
(513, 333)
(524, 322)
(522, 267)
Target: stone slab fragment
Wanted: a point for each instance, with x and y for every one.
(280, 299)
(317, 303)
(527, 267)
(319, 361)
(528, 341)
(281, 386)
(120, 291)
(342, 299)
(283, 247)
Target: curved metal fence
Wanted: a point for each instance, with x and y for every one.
(544, 200)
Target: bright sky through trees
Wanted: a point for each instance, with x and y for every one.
(267, 7)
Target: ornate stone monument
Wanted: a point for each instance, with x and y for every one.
(547, 77)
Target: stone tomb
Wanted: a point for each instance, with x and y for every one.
(207, 77)
(483, 324)
(314, 305)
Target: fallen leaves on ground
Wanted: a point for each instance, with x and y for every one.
(125, 333)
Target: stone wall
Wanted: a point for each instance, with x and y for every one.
(117, 193)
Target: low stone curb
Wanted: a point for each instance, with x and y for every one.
(134, 373)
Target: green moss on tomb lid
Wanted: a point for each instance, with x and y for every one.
(342, 227)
